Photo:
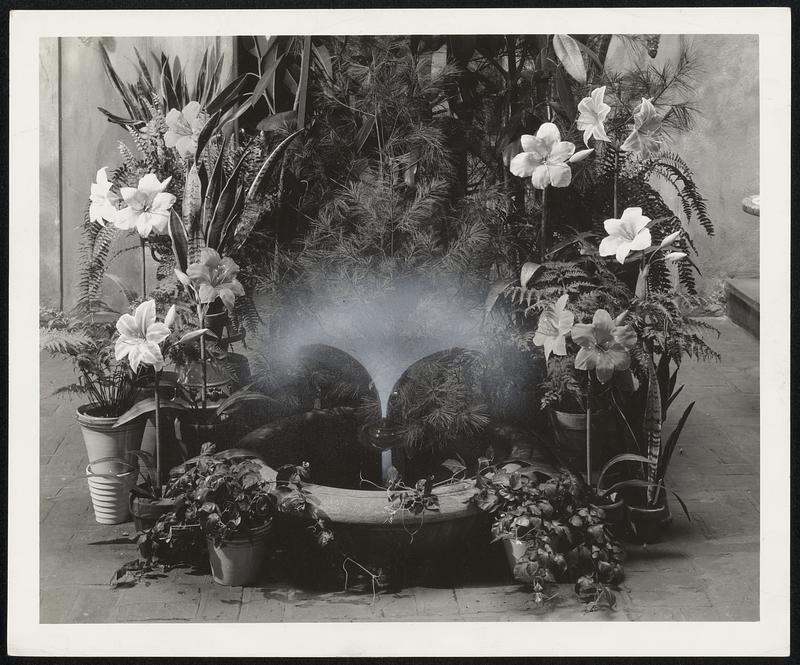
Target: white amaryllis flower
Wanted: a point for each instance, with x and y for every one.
(212, 277)
(184, 128)
(646, 127)
(140, 336)
(148, 206)
(593, 111)
(103, 206)
(544, 158)
(626, 234)
(554, 325)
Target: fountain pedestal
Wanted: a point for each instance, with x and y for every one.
(384, 446)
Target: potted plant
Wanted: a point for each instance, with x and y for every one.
(109, 385)
(551, 532)
(645, 491)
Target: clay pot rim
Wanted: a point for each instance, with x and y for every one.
(85, 418)
(255, 532)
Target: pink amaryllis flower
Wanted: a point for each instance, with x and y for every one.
(626, 234)
(140, 336)
(148, 206)
(184, 127)
(646, 128)
(555, 323)
(211, 277)
(544, 158)
(605, 346)
(592, 115)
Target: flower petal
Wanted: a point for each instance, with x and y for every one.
(533, 144)
(186, 145)
(127, 326)
(604, 366)
(613, 227)
(560, 345)
(524, 164)
(583, 335)
(585, 359)
(227, 297)
(144, 224)
(548, 133)
(162, 202)
(122, 348)
(642, 240)
(210, 258)
(190, 111)
(603, 325)
(174, 120)
(207, 293)
(145, 316)
(623, 250)
(157, 333)
(561, 152)
(150, 185)
(609, 245)
(624, 336)
(150, 354)
(560, 175)
(540, 177)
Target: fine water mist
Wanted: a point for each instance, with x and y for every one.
(389, 332)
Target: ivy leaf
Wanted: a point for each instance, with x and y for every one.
(453, 466)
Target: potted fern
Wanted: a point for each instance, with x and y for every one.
(109, 386)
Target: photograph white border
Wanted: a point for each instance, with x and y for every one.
(768, 636)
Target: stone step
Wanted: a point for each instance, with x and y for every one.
(743, 303)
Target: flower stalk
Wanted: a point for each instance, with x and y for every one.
(144, 272)
(158, 429)
(545, 228)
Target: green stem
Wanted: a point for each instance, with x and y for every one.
(545, 228)
(144, 272)
(158, 433)
(616, 173)
(589, 432)
(201, 317)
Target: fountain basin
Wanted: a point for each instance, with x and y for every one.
(361, 519)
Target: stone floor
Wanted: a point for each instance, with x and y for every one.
(706, 569)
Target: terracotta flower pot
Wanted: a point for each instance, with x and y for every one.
(570, 435)
(147, 511)
(648, 524)
(239, 561)
(102, 439)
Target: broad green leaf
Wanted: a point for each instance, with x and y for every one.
(569, 53)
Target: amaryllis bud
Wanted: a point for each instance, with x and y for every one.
(169, 319)
(672, 237)
(580, 156)
(675, 256)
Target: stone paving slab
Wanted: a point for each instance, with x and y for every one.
(705, 570)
